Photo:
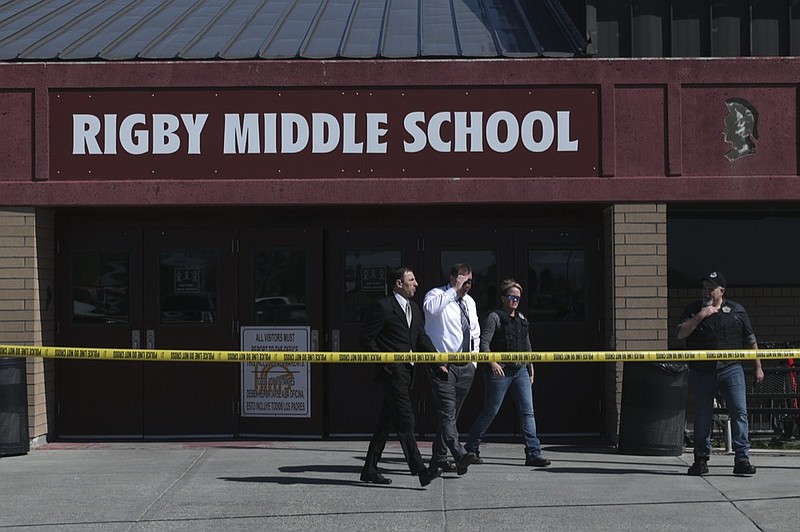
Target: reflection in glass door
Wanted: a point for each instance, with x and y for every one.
(145, 289)
(189, 294)
(561, 274)
(486, 251)
(187, 285)
(281, 287)
(557, 284)
(99, 279)
(359, 264)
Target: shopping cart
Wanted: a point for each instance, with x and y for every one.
(772, 404)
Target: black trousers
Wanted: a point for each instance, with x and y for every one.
(396, 412)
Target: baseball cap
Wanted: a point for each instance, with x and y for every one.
(716, 278)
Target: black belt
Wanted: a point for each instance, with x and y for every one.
(459, 364)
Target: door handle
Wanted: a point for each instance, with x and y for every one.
(136, 338)
(150, 338)
(314, 340)
(335, 341)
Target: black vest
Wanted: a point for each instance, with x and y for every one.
(722, 330)
(511, 333)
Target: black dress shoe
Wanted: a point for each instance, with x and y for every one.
(375, 478)
(448, 466)
(537, 461)
(464, 462)
(427, 475)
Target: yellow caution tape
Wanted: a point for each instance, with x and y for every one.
(168, 355)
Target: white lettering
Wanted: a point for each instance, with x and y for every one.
(294, 133)
(548, 131)
(85, 129)
(325, 133)
(564, 143)
(194, 125)
(270, 133)
(474, 131)
(350, 144)
(501, 131)
(133, 138)
(134, 141)
(164, 138)
(350, 133)
(375, 132)
(239, 134)
(110, 134)
(493, 131)
(435, 132)
(410, 122)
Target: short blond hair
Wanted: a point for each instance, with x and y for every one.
(508, 284)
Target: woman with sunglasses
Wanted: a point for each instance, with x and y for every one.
(507, 330)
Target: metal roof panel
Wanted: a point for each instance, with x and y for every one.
(63, 30)
(363, 35)
(328, 30)
(290, 33)
(249, 39)
(438, 37)
(401, 29)
(219, 31)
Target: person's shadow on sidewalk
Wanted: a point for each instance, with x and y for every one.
(609, 471)
(347, 472)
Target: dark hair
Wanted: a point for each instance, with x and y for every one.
(460, 268)
(399, 274)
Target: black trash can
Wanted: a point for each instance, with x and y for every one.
(653, 409)
(13, 407)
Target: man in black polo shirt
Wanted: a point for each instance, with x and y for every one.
(715, 322)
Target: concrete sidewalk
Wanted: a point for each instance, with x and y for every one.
(314, 485)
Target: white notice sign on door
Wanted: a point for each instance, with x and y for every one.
(275, 389)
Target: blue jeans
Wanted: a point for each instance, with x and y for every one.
(519, 382)
(704, 386)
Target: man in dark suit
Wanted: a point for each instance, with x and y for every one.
(395, 324)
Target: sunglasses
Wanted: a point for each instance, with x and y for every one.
(513, 298)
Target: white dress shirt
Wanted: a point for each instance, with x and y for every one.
(404, 303)
(443, 320)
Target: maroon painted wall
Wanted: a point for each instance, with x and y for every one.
(660, 131)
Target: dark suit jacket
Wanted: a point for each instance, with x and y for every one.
(386, 330)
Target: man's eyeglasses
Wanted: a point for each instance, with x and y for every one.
(513, 298)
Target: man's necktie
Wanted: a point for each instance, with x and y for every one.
(408, 313)
(465, 343)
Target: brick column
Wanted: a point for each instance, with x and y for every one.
(26, 307)
(636, 256)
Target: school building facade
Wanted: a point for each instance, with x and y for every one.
(181, 204)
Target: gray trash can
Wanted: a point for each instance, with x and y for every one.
(653, 409)
(13, 407)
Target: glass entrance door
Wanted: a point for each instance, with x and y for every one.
(146, 289)
(99, 273)
(280, 287)
(560, 271)
(189, 297)
(358, 265)
(489, 252)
